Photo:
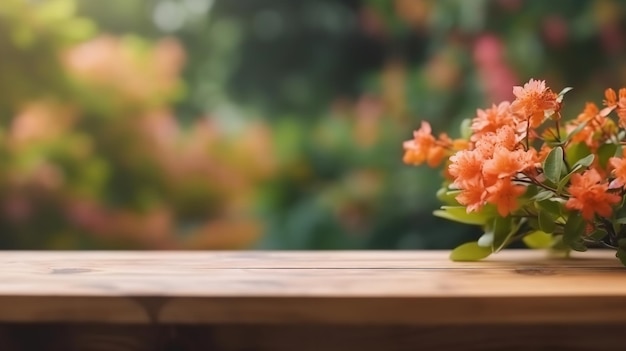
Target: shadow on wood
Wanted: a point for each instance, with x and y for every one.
(50, 337)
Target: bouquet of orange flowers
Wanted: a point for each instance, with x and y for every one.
(522, 172)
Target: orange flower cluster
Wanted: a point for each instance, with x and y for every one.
(589, 195)
(595, 126)
(613, 102)
(508, 143)
(619, 170)
(424, 147)
(526, 173)
(534, 102)
(486, 173)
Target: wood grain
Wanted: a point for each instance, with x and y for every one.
(303, 288)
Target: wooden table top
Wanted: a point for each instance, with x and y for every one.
(326, 287)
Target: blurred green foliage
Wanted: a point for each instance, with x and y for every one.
(202, 124)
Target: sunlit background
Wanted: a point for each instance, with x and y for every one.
(272, 124)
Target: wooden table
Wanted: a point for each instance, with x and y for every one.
(401, 300)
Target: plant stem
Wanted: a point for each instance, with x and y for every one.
(535, 182)
(608, 226)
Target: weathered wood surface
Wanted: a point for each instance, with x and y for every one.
(372, 288)
(333, 301)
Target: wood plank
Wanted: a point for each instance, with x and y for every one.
(398, 338)
(310, 337)
(362, 288)
(344, 283)
(196, 260)
(154, 274)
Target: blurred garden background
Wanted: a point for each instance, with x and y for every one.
(263, 124)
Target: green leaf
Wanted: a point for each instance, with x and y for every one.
(578, 245)
(621, 255)
(543, 195)
(597, 235)
(565, 91)
(553, 165)
(576, 152)
(553, 207)
(605, 152)
(528, 198)
(466, 128)
(486, 240)
(621, 251)
(567, 177)
(573, 230)
(530, 193)
(469, 252)
(538, 240)
(620, 210)
(502, 232)
(546, 221)
(559, 246)
(459, 214)
(586, 161)
(574, 226)
(448, 197)
(533, 222)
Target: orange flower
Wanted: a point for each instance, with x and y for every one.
(590, 112)
(460, 144)
(534, 101)
(507, 163)
(473, 196)
(621, 107)
(589, 194)
(504, 194)
(543, 153)
(505, 137)
(619, 170)
(610, 98)
(466, 168)
(596, 124)
(435, 155)
(490, 120)
(416, 150)
(425, 148)
(614, 102)
(486, 146)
